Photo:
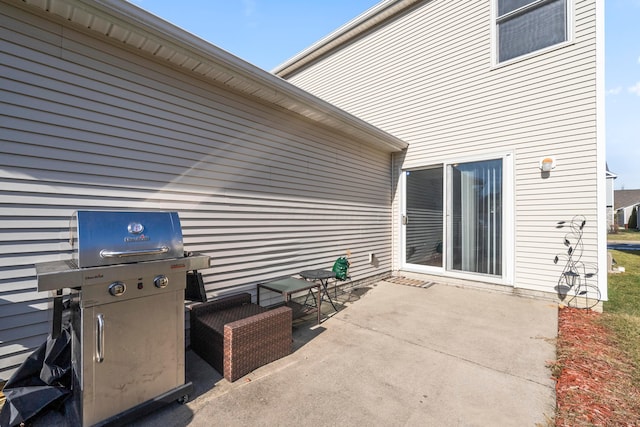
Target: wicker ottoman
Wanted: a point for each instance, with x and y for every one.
(236, 337)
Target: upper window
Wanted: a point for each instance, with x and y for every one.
(525, 26)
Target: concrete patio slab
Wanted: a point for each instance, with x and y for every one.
(398, 356)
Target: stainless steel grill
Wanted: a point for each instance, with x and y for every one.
(126, 278)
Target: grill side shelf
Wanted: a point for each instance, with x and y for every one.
(56, 275)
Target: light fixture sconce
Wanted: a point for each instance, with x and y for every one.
(547, 164)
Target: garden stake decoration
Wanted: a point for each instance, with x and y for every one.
(578, 281)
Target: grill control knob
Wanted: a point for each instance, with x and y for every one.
(117, 289)
(161, 281)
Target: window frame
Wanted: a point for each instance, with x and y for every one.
(570, 25)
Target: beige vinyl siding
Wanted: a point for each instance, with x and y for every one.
(427, 78)
(88, 124)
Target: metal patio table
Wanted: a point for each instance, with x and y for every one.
(291, 285)
(321, 276)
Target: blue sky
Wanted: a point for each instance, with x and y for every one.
(268, 32)
(622, 75)
(263, 32)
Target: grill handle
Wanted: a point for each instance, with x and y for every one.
(122, 254)
(100, 338)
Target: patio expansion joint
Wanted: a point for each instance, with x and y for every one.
(447, 354)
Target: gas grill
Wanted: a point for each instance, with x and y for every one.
(126, 282)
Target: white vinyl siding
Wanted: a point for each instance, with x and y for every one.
(88, 124)
(427, 78)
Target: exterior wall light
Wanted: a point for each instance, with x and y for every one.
(547, 164)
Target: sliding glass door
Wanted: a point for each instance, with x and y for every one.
(457, 225)
(475, 225)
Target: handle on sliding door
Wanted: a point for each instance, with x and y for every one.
(100, 338)
(405, 220)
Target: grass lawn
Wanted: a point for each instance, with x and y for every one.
(622, 311)
(624, 236)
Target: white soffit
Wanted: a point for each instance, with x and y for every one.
(131, 25)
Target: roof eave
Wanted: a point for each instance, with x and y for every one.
(128, 24)
(377, 15)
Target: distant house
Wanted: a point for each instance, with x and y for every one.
(625, 202)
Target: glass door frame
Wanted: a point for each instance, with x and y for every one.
(508, 222)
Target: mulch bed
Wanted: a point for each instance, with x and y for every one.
(594, 385)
